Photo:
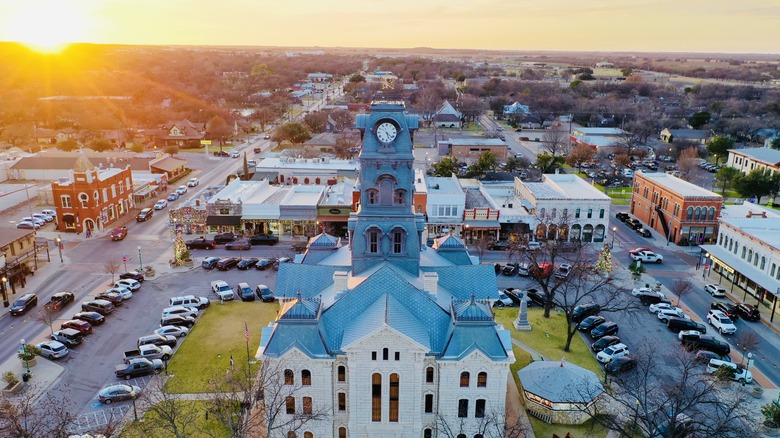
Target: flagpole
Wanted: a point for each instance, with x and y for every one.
(246, 337)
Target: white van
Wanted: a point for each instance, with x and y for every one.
(740, 374)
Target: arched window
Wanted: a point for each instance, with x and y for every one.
(429, 373)
(479, 408)
(372, 196)
(394, 397)
(427, 433)
(306, 180)
(763, 263)
(96, 195)
(482, 380)
(308, 435)
(376, 397)
(428, 403)
(386, 184)
(565, 213)
(750, 256)
(541, 213)
(690, 213)
(696, 213)
(84, 198)
(385, 353)
(755, 260)
(590, 213)
(712, 213)
(342, 373)
(289, 377)
(372, 246)
(342, 432)
(290, 405)
(342, 401)
(306, 378)
(464, 379)
(399, 197)
(399, 237)
(307, 408)
(744, 251)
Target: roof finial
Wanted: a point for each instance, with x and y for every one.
(473, 298)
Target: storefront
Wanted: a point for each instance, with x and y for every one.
(333, 219)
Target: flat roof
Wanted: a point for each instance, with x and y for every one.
(765, 230)
(442, 185)
(474, 141)
(247, 191)
(564, 186)
(677, 185)
(307, 163)
(765, 155)
(580, 132)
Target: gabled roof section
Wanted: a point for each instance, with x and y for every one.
(409, 307)
(464, 281)
(304, 337)
(387, 311)
(83, 164)
(300, 309)
(466, 339)
(471, 311)
(308, 280)
(323, 240)
(448, 242)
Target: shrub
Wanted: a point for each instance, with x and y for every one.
(29, 352)
(771, 413)
(10, 378)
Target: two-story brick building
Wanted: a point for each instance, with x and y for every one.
(92, 199)
(683, 212)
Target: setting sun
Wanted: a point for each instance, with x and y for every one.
(46, 26)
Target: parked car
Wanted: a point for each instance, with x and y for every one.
(612, 352)
(536, 297)
(644, 232)
(173, 330)
(563, 271)
(264, 264)
(158, 340)
(44, 217)
(603, 343)
(209, 263)
(604, 329)
(59, 300)
(193, 182)
(177, 320)
(172, 196)
(222, 290)
(23, 304)
(704, 356)
(181, 190)
(729, 309)
(722, 323)
(524, 269)
(591, 322)
(705, 342)
(115, 393)
(226, 263)
(225, 238)
(503, 301)
(53, 349)
(199, 303)
(655, 308)
(620, 364)
(678, 325)
(738, 373)
(128, 283)
(582, 311)
(264, 239)
(133, 275)
(123, 292)
(159, 205)
(93, 318)
(241, 245)
(138, 367)
(510, 269)
(665, 314)
(221, 154)
(748, 312)
(180, 310)
(28, 225)
(647, 299)
(200, 243)
(622, 217)
(112, 297)
(118, 233)
(264, 293)
(82, 327)
(49, 212)
(69, 337)
(543, 269)
(244, 292)
(715, 290)
(501, 245)
(144, 215)
(245, 264)
(102, 307)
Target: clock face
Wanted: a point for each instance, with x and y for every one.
(386, 132)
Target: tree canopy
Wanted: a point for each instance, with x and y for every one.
(293, 132)
(719, 147)
(758, 183)
(547, 163)
(446, 167)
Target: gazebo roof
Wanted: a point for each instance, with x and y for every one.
(560, 382)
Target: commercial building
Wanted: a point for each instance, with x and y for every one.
(683, 212)
(747, 160)
(470, 148)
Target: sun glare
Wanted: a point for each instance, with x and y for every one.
(46, 26)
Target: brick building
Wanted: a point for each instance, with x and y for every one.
(92, 199)
(683, 212)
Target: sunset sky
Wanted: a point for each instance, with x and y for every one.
(609, 25)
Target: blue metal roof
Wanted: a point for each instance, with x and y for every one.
(466, 338)
(323, 240)
(305, 337)
(471, 310)
(300, 309)
(309, 280)
(463, 281)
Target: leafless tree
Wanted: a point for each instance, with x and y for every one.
(48, 315)
(747, 341)
(494, 424)
(556, 140)
(653, 400)
(164, 411)
(27, 416)
(111, 265)
(480, 245)
(680, 287)
(688, 163)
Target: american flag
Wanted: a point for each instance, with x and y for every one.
(246, 331)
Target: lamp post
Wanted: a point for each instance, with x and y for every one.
(669, 234)
(747, 366)
(5, 292)
(58, 241)
(706, 265)
(612, 244)
(140, 262)
(23, 348)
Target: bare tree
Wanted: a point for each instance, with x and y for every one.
(48, 315)
(111, 265)
(653, 400)
(480, 245)
(27, 416)
(747, 341)
(493, 424)
(680, 287)
(688, 163)
(164, 411)
(556, 140)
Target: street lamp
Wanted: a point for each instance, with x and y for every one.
(747, 367)
(140, 262)
(705, 265)
(23, 348)
(5, 292)
(58, 241)
(612, 245)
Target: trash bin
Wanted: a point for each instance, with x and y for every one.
(26, 377)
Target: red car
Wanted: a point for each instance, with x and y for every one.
(118, 233)
(83, 327)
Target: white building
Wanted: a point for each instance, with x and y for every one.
(747, 160)
(291, 170)
(446, 202)
(387, 337)
(747, 252)
(586, 207)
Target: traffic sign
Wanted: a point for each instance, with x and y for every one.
(124, 259)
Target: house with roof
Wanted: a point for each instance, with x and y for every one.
(445, 205)
(447, 116)
(700, 136)
(750, 159)
(596, 137)
(385, 335)
(179, 133)
(470, 148)
(516, 109)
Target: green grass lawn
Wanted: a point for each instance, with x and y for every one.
(189, 410)
(549, 336)
(206, 351)
(587, 430)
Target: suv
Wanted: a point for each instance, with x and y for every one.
(721, 322)
(177, 320)
(190, 301)
(510, 269)
(738, 373)
(705, 342)
(69, 337)
(133, 275)
(225, 238)
(601, 330)
(158, 340)
(622, 217)
(748, 312)
(144, 215)
(612, 352)
(245, 292)
(729, 309)
(679, 324)
(582, 311)
(201, 243)
(180, 310)
(102, 307)
(715, 290)
(225, 263)
(563, 271)
(23, 304)
(665, 314)
(210, 262)
(265, 294)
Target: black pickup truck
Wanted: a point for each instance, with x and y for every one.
(201, 243)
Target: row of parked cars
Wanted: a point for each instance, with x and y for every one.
(634, 224)
(243, 291)
(37, 220)
(243, 264)
(232, 241)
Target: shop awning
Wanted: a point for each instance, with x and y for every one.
(223, 220)
(482, 224)
(724, 257)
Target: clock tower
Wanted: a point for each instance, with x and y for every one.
(385, 227)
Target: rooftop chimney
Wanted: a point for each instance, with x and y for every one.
(431, 283)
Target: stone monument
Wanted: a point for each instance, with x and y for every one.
(521, 323)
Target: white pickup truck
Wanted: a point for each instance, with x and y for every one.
(150, 352)
(646, 256)
(222, 290)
